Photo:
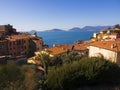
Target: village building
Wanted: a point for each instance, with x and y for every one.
(82, 48)
(109, 50)
(36, 44)
(23, 45)
(108, 34)
(62, 49)
(15, 45)
(18, 45)
(53, 51)
(3, 47)
(79, 48)
(7, 30)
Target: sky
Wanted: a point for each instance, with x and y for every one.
(26, 15)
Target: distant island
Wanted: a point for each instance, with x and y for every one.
(76, 29)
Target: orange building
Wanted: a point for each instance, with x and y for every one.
(16, 45)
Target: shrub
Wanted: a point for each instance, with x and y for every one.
(31, 77)
(11, 77)
(88, 71)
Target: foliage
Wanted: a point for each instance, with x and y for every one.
(31, 77)
(13, 77)
(68, 58)
(88, 71)
(45, 61)
(56, 60)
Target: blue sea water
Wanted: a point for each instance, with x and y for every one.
(51, 38)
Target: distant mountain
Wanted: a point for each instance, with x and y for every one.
(90, 28)
(75, 29)
(95, 28)
(55, 30)
(33, 31)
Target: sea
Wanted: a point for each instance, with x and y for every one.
(59, 37)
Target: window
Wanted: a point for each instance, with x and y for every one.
(10, 48)
(3, 33)
(10, 43)
(13, 43)
(17, 42)
(24, 41)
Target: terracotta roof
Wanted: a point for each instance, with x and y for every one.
(16, 37)
(82, 46)
(65, 46)
(103, 30)
(56, 50)
(110, 45)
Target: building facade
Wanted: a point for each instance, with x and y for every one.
(3, 47)
(108, 34)
(109, 50)
(7, 30)
(17, 44)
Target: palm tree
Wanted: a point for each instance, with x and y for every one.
(43, 67)
(44, 59)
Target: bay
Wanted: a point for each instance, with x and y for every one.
(51, 38)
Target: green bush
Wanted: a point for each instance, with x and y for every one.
(88, 71)
(11, 77)
(31, 77)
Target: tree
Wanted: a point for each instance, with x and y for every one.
(45, 60)
(87, 71)
(56, 60)
(43, 67)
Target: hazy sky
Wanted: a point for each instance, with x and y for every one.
(63, 14)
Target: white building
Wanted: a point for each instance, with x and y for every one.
(110, 50)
